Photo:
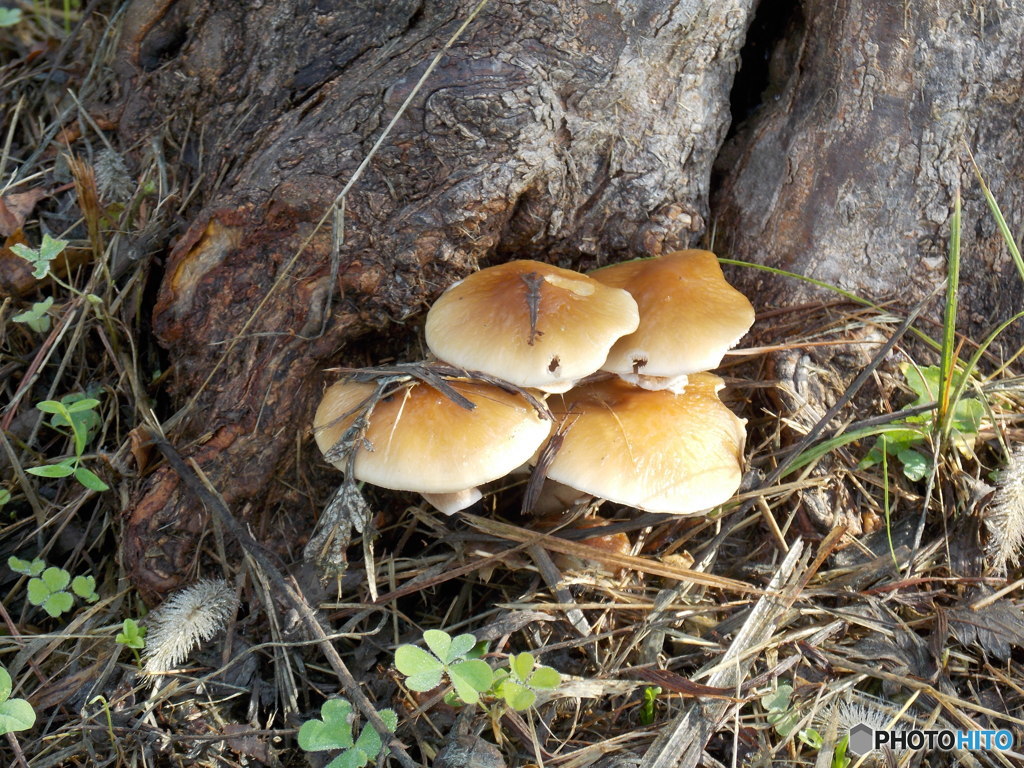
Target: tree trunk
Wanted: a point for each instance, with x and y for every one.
(848, 170)
(573, 131)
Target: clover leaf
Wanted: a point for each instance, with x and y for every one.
(85, 588)
(424, 670)
(518, 685)
(15, 714)
(36, 318)
(334, 731)
(47, 591)
(33, 568)
(40, 258)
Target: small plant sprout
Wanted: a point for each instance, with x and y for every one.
(76, 412)
(40, 257)
(518, 685)
(424, 671)
(36, 318)
(815, 741)
(650, 694)
(15, 714)
(334, 731)
(133, 636)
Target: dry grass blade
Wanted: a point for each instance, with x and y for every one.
(682, 743)
(639, 564)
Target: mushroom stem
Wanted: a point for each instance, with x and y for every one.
(557, 497)
(674, 384)
(450, 503)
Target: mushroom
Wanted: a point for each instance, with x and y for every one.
(654, 450)
(418, 439)
(689, 317)
(529, 323)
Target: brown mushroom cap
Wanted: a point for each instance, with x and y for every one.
(529, 323)
(423, 441)
(689, 315)
(657, 451)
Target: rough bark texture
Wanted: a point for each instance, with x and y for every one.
(848, 171)
(576, 131)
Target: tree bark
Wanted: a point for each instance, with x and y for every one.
(574, 131)
(848, 171)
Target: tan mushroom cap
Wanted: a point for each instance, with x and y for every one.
(529, 323)
(689, 315)
(422, 441)
(658, 451)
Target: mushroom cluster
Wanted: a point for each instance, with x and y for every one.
(609, 370)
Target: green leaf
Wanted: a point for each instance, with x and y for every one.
(76, 405)
(9, 16)
(36, 318)
(545, 678)
(58, 603)
(5, 497)
(61, 469)
(784, 722)
(368, 744)
(461, 645)
(470, 678)
(924, 381)
(37, 591)
(967, 415)
(16, 715)
(90, 480)
(131, 634)
(55, 578)
(85, 588)
(350, 758)
(650, 694)
(915, 465)
(517, 696)
(521, 665)
(334, 731)
(51, 406)
(839, 758)
(40, 266)
(778, 700)
(412, 660)
(18, 565)
(440, 642)
(811, 738)
(6, 685)
(51, 247)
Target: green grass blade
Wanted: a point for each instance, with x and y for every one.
(997, 214)
(816, 451)
(948, 352)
